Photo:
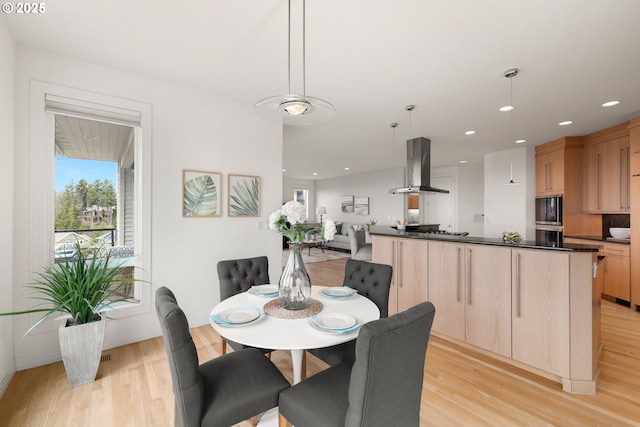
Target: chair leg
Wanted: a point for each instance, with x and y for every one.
(303, 369)
(283, 422)
(223, 345)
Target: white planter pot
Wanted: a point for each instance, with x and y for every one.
(81, 347)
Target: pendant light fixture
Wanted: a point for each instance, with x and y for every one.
(393, 149)
(511, 181)
(292, 109)
(510, 74)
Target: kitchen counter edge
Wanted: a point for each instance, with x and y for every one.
(525, 244)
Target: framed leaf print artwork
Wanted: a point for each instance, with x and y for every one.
(346, 204)
(361, 205)
(243, 194)
(201, 193)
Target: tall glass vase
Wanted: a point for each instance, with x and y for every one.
(295, 284)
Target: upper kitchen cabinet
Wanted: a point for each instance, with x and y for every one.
(606, 171)
(558, 166)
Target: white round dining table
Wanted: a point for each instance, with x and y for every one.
(295, 335)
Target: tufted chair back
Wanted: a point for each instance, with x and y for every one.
(238, 275)
(370, 280)
(188, 387)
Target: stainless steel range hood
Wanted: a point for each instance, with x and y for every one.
(418, 168)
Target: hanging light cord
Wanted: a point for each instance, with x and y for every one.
(393, 146)
(289, 47)
(304, 47)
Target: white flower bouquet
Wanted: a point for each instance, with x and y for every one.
(289, 221)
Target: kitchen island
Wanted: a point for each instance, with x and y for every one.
(530, 305)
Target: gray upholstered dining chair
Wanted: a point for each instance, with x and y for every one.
(238, 275)
(382, 388)
(370, 280)
(359, 249)
(221, 392)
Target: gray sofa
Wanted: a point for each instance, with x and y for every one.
(341, 239)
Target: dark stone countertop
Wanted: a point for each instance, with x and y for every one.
(600, 239)
(382, 230)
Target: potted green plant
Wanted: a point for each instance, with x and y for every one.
(81, 286)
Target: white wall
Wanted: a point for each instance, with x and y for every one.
(470, 199)
(190, 130)
(382, 205)
(510, 207)
(289, 184)
(7, 349)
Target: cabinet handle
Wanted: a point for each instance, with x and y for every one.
(628, 183)
(550, 166)
(400, 264)
(458, 274)
(517, 285)
(622, 203)
(469, 276)
(394, 261)
(597, 181)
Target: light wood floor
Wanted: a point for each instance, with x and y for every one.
(461, 388)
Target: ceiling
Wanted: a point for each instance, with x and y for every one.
(370, 58)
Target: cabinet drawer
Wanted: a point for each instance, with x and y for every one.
(616, 249)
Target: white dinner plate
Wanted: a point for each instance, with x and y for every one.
(335, 321)
(350, 330)
(338, 293)
(264, 290)
(239, 315)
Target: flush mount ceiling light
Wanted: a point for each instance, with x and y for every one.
(510, 74)
(292, 109)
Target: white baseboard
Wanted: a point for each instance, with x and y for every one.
(4, 381)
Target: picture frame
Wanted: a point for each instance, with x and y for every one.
(243, 195)
(201, 194)
(346, 204)
(361, 206)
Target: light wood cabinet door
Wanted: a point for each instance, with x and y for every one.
(541, 174)
(411, 277)
(384, 251)
(592, 181)
(541, 310)
(617, 271)
(446, 287)
(550, 173)
(615, 176)
(488, 298)
(555, 172)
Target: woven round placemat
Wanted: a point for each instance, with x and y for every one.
(274, 308)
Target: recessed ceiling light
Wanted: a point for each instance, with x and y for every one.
(347, 168)
(470, 132)
(315, 173)
(610, 103)
(566, 122)
(520, 141)
(463, 161)
(507, 108)
(284, 170)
